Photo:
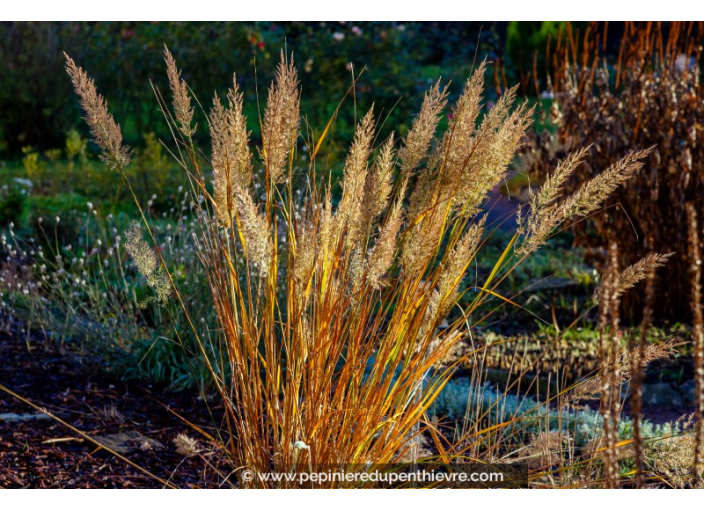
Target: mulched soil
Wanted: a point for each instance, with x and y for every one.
(31, 456)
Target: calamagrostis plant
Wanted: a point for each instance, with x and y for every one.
(329, 315)
(106, 132)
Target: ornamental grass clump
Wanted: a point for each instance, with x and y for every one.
(328, 308)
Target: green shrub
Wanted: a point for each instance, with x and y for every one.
(36, 110)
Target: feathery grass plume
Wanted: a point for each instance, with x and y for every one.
(495, 143)
(593, 387)
(592, 194)
(451, 273)
(695, 258)
(106, 132)
(147, 263)
(223, 180)
(381, 256)
(633, 274)
(423, 240)
(306, 244)
(422, 132)
(468, 163)
(554, 184)
(377, 188)
(457, 143)
(326, 227)
(545, 213)
(350, 211)
(543, 220)
(640, 270)
(455, 266)
(362, 212)
(231, 157)
(254, 231)
(181, 96)
(449, 160)
(281, 117)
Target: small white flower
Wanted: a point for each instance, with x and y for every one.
(300, 445)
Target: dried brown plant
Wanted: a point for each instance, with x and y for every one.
(672, 458)
(649, 96)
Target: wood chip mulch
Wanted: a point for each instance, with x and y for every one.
(36, 452)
